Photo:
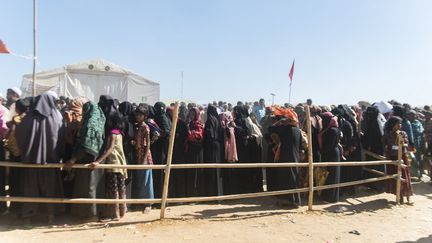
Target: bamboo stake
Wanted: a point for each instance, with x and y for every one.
(310, 158)
(200, 166)
(399, 169)
(353, 183)
(374, 155)
(375, 171)
(169, 159)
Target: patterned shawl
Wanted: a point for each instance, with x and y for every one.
(91, 135)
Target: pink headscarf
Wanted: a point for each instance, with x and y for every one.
(227, 122)
(3, 127)
(332, 123)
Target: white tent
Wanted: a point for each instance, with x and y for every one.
(92, 79)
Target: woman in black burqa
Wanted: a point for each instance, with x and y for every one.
(160, 147)
(213, 149)
(41, 138)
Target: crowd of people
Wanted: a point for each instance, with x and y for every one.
(51, 129)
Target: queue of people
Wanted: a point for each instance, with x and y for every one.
(51, 129)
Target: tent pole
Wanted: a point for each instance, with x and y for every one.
(34, 44)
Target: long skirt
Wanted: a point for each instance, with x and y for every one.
(15, 185)
(87, 184)
(41, 183)
(115, 188)
(406, 187)
(142, 184)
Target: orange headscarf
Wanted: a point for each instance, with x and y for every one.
(290, 114)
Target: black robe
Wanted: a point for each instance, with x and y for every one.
(330, 153)
(178, 176)
(41, 139)
(213, 149)
(372, 141)
(286, 178)
(160, 147)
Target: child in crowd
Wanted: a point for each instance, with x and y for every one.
(142, 183)
(115, 187)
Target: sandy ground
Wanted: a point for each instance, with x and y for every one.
(369, 217)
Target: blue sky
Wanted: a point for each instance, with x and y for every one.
(232, 50)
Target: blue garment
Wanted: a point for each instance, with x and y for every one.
(142, 184)
(407, 127)
(417, 129)
(417, 164)
(259, 112)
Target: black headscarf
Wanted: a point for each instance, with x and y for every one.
(399, 111)
(106, 103)
(127, 111)
(391, 122)
(152, 112)
(41, 132)
(161, 118)
(183, 113)
(240, 112)
(126, 108)
(212, 125)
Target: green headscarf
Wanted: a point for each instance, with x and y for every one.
(92, 132)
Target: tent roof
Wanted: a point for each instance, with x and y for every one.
(91, 66)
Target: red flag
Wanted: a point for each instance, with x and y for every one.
(291, 73)
(3, 48)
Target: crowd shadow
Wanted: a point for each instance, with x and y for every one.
(232, 210)
(426, 239)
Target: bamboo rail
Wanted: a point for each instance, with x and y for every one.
(189, 199)
(199, 166)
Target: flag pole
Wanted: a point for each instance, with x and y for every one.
(289, 98)
(181, 98)
(34, 44)
(291, 74)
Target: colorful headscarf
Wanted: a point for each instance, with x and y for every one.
(74, 114)
(91, 134)
(288, 113)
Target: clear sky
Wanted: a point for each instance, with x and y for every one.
(232, 50)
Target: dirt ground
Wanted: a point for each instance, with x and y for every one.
(369, 217)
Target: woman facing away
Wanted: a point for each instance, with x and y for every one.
(392, 136)
(213, 150)
(286, 150)
(328, 140)
(41, 139)
(88, 145)
(194, 153)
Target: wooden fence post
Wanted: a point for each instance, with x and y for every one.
(399, 169)
(310, 157)
(169, 159)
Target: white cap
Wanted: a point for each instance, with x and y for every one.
(16, 90)
(52, 93)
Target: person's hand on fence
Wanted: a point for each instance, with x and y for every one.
(68, 165)
(94, 164)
